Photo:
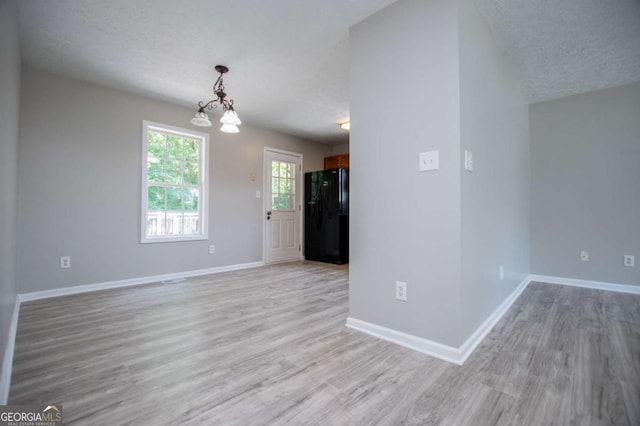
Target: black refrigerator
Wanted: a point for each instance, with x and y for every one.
(326, 218)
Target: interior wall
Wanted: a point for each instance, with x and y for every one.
(340, 149)
(585, 192)
(495, 196)
(405, 224)
(79, 176)
(9, 135)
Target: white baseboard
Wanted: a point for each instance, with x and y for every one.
(426, 346)
(447, 353)
(481, 332)
(65, 291)
(7, 363)
(596, 285)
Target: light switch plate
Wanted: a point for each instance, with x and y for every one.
(429, 161)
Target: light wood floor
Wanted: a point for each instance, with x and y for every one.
(269, 346)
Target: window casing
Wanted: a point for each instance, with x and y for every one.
(175, 176)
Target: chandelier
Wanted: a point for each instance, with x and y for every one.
(230, 119)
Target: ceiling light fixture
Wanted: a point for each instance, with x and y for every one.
(230, 119)
(345, 126)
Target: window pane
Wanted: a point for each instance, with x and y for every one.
(275, 168)
(156, 144)
(190, 199)
(281, 202)
(155, 169)
(155, 223)
(284, 169)
(174, 159)
(191, 150)
(287, 187)
(173, 223)
(174, 199)
(191, 222)
(155, 156)
(191, 173)
(155, 210)
(275, 185)
(287, 202)
(173, 171)
(156, 198)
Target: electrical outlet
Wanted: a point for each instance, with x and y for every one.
(629, 260)
(501, 272)
(584, 256)
(65, 262)
(468, 161)
(212, 249)
(401, 291)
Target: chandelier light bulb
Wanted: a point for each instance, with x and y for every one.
(201, 119)
(230, 117)
(229, 128)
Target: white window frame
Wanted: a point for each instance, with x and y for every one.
(204, 184)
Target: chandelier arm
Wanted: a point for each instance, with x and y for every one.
(209, 105)
(227, 105)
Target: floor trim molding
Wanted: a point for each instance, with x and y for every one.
(481, 332)
(65, 291)
(596, 285)
(426, 346)
(447, 353)
(7, 363)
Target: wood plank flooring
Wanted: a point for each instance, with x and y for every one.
(269, 346)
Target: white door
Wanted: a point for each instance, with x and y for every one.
(282, 205)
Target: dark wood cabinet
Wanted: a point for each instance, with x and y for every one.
(336, 162)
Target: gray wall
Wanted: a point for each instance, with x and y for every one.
(340, 149)
(79, 177)
(585, 192)
(9, 133)
(405, 224)
(445, 232)
(495, 197)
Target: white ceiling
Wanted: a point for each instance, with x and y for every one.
(288, 59)
(566, 47)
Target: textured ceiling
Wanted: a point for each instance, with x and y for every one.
(566, 47)
(288, 59)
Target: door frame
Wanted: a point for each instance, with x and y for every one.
(266, 204)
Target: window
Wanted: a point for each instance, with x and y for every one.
(283, 185)
(174, 183)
